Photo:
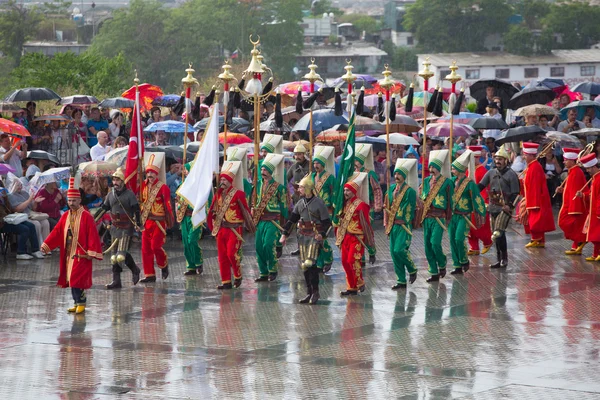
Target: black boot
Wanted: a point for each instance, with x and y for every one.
(308, 281)
(148, 279)
(433, 278)
(399, 286)
(135, 270)
(314, 276)
(261, 279)
(225, 286)
(442, 272)
(272, 276)
(412, 278)
(306, 298)
(237, 282)
(190, 272)
(457, 271)
(315, 296)
(349, 293)
(295, 252)
(278, 251)
(326, 268)
(165, 272)
(466, 267)
(116, 282)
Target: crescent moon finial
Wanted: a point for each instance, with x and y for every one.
(254, 42)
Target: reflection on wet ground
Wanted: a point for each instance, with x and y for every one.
(530, 332)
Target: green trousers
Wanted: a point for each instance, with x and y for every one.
(267, 236)
(325, 255)
(191, 248)
(399, 248)
(432, 234)
(458, 231)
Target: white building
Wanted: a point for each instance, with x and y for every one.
(331, 59)
(573, 66)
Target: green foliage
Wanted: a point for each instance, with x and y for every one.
(519, 40)
(17, 25)
(576, 22)
(68, 73)
(58, 7)
(532, 12)
(401, 58)
(361, 22)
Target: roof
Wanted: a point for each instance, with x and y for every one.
(505, 59)
(342, 51)
(53, 44)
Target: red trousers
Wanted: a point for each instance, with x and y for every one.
(352, 254)
(572, 225)
(596, 252)
(153, 239)
(229, 249)
(484, 234)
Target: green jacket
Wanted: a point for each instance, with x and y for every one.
(470, 200)
(326, 192)
(277, 203)
(406, 211)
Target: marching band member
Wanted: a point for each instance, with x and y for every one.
(573, 212)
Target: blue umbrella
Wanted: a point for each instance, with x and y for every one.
(168, 100)
(169, 127)
(591, 88)
(462, 115)
(361, 80)
(322, 120)
(580, 106)
(550, 83)
(370, 139)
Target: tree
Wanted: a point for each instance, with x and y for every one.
(456, 25)
(532, 12)
(361, 22)
(17, 25)
(575, 22)
(401, 58)
(519, 40)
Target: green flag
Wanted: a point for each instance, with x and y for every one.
(346, 170)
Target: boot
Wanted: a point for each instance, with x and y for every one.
(272, 276)
(190, 272)
(466, 267)
(278, 251)
(225, 286)
(237, 282)
(149, 279)
(315, 296)
(309, 293)
(80, 309)
(200, 269)
(72, 309)
(433, 278)
(349, 293)
(295, 252)
(135, 270)
(412, 278)
(261, 279)
(165, 272)
(399, 286)
(442, 272)
(457, 271)
(116, 282)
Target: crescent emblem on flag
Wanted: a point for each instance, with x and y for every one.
(350, 152)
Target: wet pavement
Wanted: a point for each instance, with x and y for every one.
(530, 332)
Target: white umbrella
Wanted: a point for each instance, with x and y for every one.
(398, 138)
(117, 156)
(52, 175)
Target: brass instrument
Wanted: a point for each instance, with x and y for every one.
(501, 222)
(586, 150)
(545, 150)
(309, 250)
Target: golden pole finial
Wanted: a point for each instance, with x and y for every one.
(453, 76)
(136, 80)
(189, 80)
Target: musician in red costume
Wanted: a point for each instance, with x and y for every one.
(573, 212)
(354, 232)
(226, 218)
(538, 215)
(77, 237)
(592, 196)
(484, 233)
(156, 217)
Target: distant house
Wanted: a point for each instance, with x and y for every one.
(52, 48)
(331, 59)
(573, 66)
(393, 28)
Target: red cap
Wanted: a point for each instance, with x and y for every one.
(476, 150)
(352, 186)
(530, 148)
(570, 153)
(228, 175)
(72, 192)
(589, 161)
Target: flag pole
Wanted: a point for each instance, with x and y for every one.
(453, 77)
(188, 82)
(226, 77)
(426, 74)
(312, 77)
(387, 83)
(138, 128)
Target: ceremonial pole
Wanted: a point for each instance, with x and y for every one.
(138, 129)
(188, 82)
(312, 77)
(226, 77)
(387, 83)
(349, 78)
(426, 74)
(453, 77)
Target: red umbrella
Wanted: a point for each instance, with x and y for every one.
(398, 88)
(292, 87)
(12, 128)
(445, 92)
(148, 93)
(234, 138)
(443, 130)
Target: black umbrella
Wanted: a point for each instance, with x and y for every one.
(503, 89)
(78, 99)
(32, 94)
(175, 153)
(591, 88)
(520, 134)
(194, 147)
(43, 155)
(488, 123)
(117, 102)
(238, 125)
(534, 95)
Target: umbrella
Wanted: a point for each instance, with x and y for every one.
(488, 123)
(169, 127)
(446, 92)
(418, 102)
(361, 80)
(404, 123)
(581, 106)
(234, 138)
(556, 84)
(168, 100)
(271, 126)
(193, 147)
(331, 136)
(78, 99)
(42, 155)
(535, 109)
(237, 125)
(9, 107)
(292, 87)
(564, 139)
(397, 88)
(175, 153)
(519, 134)
(5, 169)
(117, 156)
(97, 169)
(12, 128)
(148, 93)
(32, 94)
(398, 138)
(322, 120)
(371, 100)
(442, 129)
(463, 117)
(535, 95)
(117, 102)
(369, 139)
(52, 175)
(54, 117)
(586, 132)
(503, 89)
(591, 88)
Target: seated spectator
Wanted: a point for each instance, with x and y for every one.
(25, 231)
(52, 202)
(120, 142)
(155, 116)
(98, 151)
(22, 202)
(571, 124)
(80, 126)
(159, 140)
(116, 125)
(11, 155)
(95, 124)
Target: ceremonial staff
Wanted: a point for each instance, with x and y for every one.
(188, 82)
(453, 77)
(349, 78)
(226, 77)
(387, 83)
(426, 74)
(312, 77)
(139, 136)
